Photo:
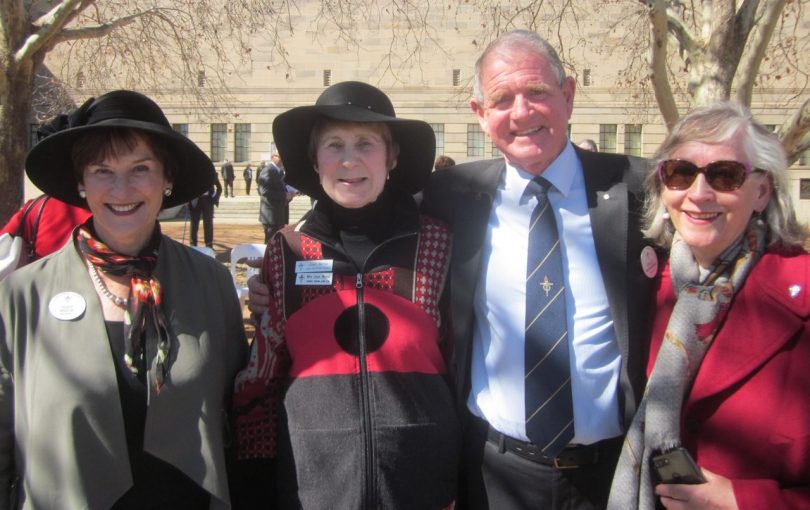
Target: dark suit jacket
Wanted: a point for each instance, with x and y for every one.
(462, 196)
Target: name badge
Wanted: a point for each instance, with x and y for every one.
(67, 306)
(313, 279)
(314, 266)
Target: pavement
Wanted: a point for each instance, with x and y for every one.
(226, 235)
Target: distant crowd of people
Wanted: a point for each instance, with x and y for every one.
(555, 328)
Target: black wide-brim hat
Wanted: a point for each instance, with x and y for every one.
(353, 101)
(49, 163)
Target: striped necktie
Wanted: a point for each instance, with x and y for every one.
(549, 407)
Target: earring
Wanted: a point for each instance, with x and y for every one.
(167, 192)
(665, 215)
(82, 193)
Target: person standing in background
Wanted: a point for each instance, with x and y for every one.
(247, 174)
(588, 145)
(203, 206)
(228, 176)
(443, 161)
(274, 208)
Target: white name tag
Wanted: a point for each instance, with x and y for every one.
(313, 279)
(314, 266)
(67, 306)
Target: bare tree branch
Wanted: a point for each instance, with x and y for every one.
(50, 24)
(757, 47)
(97, 31)
(681, 32)
(658, 62)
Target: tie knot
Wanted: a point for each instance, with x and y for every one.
(537, 187)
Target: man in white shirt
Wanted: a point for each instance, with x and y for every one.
(523, 101)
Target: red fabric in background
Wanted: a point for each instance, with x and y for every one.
(55, 225)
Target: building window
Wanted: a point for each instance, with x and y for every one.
(438, 131)
(804, 189)
(201, 78)
(770, 127)
(327, 77)
(241, 142)
(219, 140)
(632, 139)
(496, 152)
(33, 137)
(456, 77)
(79, 80)
(475, 141)
(586, 77)
(181, 128)
(607, 137)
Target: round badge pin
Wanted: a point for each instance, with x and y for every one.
(67, 306)
(649, 261)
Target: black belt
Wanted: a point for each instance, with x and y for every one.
(571, 457)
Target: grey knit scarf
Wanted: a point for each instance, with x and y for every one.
(699, 311)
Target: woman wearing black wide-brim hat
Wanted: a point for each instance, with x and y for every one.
(118, 352)
(347, 386)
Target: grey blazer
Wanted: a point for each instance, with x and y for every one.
(462, 196)
(61, 425)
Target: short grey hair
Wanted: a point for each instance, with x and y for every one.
(523, 39)
(718, 123)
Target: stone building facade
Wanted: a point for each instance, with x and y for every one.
(428, 75)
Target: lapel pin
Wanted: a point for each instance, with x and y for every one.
(649, 261)
(795, 290)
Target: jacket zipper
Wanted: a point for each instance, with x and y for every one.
(370, 483)
(369, 454)
(365, 403)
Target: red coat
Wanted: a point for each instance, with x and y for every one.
(55, 225)
(747, 416)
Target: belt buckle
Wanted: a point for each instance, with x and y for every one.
(557, 465)
(594, 458)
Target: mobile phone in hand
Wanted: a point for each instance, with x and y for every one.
(677, 466)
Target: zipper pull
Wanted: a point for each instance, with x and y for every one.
(359, 282)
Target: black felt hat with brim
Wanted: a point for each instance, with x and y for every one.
(49, 164)
(353, 101)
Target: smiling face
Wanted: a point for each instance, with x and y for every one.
(709, 220)
(352, 162)
(125, 193)
(525, 111)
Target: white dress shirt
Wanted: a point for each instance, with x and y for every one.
(497, 385)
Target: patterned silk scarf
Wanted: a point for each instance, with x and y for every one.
(699, 311)
(143, 315)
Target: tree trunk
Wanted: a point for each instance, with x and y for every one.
(14, 119)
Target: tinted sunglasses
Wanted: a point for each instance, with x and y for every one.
(679, 174)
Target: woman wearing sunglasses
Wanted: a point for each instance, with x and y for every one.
(729, 364)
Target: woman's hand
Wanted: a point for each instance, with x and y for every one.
(716, 494)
